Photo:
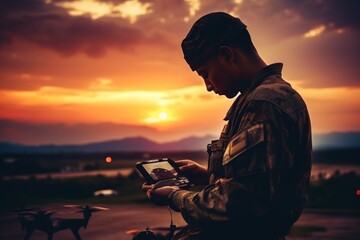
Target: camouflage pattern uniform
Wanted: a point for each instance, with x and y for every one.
(260, 167)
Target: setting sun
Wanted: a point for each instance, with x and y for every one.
(163, 116)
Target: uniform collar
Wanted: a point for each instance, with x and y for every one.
(270, 70)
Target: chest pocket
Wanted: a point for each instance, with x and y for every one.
(217, 148)
(244, 152)
(216, 151)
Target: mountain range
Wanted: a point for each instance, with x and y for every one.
(131, 144)
(193, 143)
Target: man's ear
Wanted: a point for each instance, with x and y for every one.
(227, 53)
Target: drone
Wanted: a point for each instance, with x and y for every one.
(38, 219)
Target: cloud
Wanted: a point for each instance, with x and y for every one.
(70, 27)
(335, 108)
(317, 40)
(92, 27)
(331, 13)
(315, 32)
(54, 96)
(281, 19)
(334, 13)
(325, 60)
(52, 27)
(135, 107)
(130, 9)
(322, 33)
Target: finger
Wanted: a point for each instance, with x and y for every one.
(146, 186)
(183, 162)
(187, 167)
(148, 194)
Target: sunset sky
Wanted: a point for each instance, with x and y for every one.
(78, 71)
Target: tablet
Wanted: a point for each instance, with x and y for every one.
(162, 172)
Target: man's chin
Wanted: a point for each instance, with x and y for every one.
(230, 95)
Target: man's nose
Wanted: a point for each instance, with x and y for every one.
(208, 85)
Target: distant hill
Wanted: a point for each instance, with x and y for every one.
(336, 140)
(122, 145)
(320, 141)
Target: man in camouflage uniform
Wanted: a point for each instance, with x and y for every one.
(259, 170)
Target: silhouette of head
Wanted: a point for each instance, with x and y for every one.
(209, 33)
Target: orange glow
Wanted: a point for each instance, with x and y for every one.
(108, 159)
(163, 116)
(120, 63)
(130, 9)
(315, 32)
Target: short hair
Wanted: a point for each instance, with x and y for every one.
(210, 32)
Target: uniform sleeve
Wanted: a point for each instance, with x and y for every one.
(255, 161)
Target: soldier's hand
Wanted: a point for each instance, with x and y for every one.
(195, 172)
(145, 187)
(160, 196)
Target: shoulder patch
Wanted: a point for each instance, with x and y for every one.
(244, 140)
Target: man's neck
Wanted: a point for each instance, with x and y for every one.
(254, 67)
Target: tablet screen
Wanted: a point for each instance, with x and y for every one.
(160, 170)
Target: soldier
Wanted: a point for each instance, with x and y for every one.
(256, 183)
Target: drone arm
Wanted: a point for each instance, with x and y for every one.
(76, 233)
(28, 233)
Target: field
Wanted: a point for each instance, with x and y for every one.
(337, 191)
(332, 197)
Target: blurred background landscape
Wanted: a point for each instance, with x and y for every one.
(49, 177)
(90, 87)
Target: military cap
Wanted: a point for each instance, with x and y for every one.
(207, 34)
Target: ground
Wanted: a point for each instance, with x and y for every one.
(113, 224)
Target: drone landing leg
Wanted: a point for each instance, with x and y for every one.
(28, 234)
(76, 233)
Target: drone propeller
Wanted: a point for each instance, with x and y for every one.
(87, 207)
(73, 206)
(23, 209)
(36, 213)
(133, 231)
(28, 213)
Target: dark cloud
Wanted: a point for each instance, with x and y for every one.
(16, 83)
(296, 16)
(287, 18)
(11, 7)
(271, 24)
(166, 21)
(336, 13)
(50, 26)
(327, 61)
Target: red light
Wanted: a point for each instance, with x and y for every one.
(358, 192)
(108, 159)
